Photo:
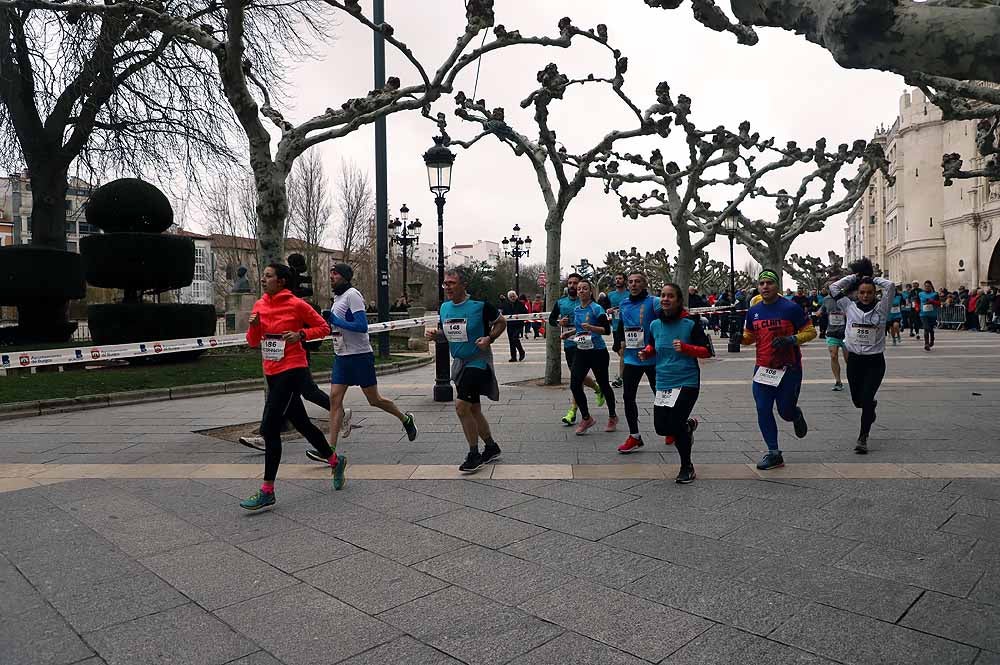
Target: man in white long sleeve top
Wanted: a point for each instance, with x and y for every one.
(865, 341)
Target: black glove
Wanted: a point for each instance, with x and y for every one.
(782, 342)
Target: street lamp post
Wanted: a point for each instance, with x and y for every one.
(729, 225)
(439, 160)
(516, 247)
(405, 234)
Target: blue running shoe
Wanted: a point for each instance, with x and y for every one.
(259, 500)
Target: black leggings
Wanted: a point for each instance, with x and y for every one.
(595, 360)
(928, 323)
(514, 330)
(284, 400)
(914, 324)
(630, 386)
(673, 421)
(864, 376)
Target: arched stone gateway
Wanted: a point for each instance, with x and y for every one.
(993, 276)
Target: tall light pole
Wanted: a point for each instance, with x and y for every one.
(729, 226)
(381, 187)
(405, 234)
(516, 246)
(439, 160)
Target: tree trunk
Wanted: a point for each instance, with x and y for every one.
(48, 203)
(272, 211)
(771, 258)
(684, 266)
(553, 245)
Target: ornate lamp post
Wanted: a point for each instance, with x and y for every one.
(516, 246)
(405, 234)
(729, 226)
(439, 160)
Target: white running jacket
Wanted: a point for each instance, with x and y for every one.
(865, 334)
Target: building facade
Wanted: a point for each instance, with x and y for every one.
(485, 251)
(917, 228)
(201, 291)
(16, 205)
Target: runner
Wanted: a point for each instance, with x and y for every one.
(835, 328)
(915, 311)
(354, 365)
(561, 318)
(590, 322)
(278, 326)
(638, 311)
(676, 342)
(865, 339)
(895, 317)
(470, 327)
(616, 297)
(778, 327)
(929, 304)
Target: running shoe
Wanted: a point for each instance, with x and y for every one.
(685, 476)
(861, 448)
(895, 341)
(584, 425)
(771, 460)
(314, 455)
(632, 443)
(345, 424)
(259, 500)
(612, 424)
(800, 424)
(338, 472)
(617, 383)
(255, 442)
(491, 453)
(409, 426)
(927, 347)
(473, 462)
(570, 417)
(600, 397)
(692, 424)
(838, 387)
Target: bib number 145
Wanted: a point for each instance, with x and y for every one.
(767, 376)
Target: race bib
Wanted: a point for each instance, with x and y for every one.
(894, 309)
(836, 320)
(272, 347)
(633, 338)
(456, 330)
(667, 397)
(584, 341)
(862, 333)
(767, 376)
(927, 308)
(338, 342)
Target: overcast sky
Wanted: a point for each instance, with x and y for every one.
(784, 86)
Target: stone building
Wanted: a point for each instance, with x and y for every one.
(16, 205)
(919, 229)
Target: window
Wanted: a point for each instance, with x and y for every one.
(932, 221)
(69, 204)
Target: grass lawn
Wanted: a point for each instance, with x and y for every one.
(231, 364)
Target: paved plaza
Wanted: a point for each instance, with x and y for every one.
(121, 540)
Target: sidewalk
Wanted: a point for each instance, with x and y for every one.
(578, 564)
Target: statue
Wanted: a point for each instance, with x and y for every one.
(241, 284)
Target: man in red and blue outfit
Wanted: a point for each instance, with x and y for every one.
(778, 327)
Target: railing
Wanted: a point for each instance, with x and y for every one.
(951, 316)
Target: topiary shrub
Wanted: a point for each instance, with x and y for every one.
(129, 204)
(40, 281)
(138, 261)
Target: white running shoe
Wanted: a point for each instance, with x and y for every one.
(255, 442)
(345, 425)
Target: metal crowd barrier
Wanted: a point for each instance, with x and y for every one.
(951, 317)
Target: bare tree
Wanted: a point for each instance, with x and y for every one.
(356, 203)
(561, 175)
(231, 211)
(310, 207)
(810, 272)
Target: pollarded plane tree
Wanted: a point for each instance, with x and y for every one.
(810, 272)
(224, 31)
(560, 174)
(947, 48)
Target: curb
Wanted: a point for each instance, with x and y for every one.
(46, 407)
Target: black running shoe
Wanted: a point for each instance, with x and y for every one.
(315, 456)
(692, 426)
(409, 426)
(801, 427)
(685, 476)
(473, 462)
(771, 460)
(491, 453)
(861, 447)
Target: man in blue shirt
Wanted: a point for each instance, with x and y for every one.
(636, 314)
(616, 297)
(470, 327)
(561, 320)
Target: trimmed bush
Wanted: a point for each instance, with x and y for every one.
(129, 204)
(121, 323)
(29, 274)
(141, 261)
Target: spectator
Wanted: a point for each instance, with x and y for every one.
(695, 300)
(971, 320)
(537, 307)
(372, 308)
(802, 300)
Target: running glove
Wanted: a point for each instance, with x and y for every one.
(783, 342)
